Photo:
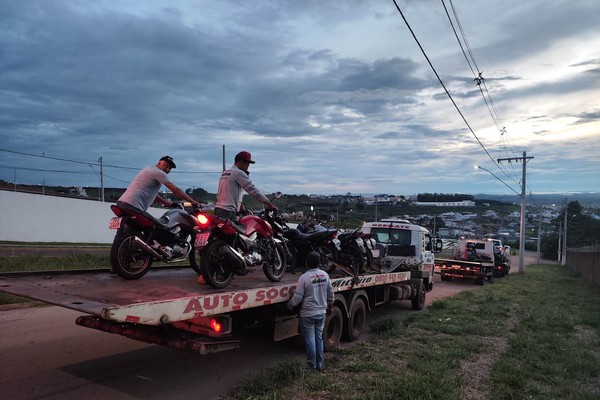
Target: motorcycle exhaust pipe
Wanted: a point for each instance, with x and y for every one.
(232, 257)
(140, 244)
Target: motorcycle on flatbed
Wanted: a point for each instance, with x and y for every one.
(141, 238)
(227, 248)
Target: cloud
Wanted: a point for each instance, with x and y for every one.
(333, 95)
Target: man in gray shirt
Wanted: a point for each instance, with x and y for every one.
(143, 190)
(231, 184)
(315, 293)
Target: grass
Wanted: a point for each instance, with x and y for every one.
(70, 258)
(528, 336)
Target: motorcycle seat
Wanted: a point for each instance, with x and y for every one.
(238, 227)
(296, 235)
(123, 210)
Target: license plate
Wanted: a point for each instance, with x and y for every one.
(115, 223)
(201, 239)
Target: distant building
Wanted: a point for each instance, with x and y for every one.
(464, 203)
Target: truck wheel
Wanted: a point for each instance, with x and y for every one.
(129, 261)
(357, 320)
(332, 333)
(445, 277)
(418, 300)
(480, 281)
(490, 277)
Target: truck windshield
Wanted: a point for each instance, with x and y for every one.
(391, 236)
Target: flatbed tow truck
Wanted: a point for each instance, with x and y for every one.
(171, 308)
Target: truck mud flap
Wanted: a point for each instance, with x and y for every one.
(162, 335)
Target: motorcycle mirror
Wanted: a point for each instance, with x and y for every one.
(278, 195)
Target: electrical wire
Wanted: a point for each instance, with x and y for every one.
(443, 85)
(480, 82)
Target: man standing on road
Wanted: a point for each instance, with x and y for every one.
(231, 183)
(315, 293)
(143, 190)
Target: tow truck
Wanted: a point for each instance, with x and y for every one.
(474, 259)
(170, 307)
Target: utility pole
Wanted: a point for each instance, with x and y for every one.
(101, 180)
(524, 160)
(563, 259)
(223, 158)
(539, 238)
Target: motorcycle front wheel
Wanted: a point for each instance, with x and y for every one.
(276, 265)
(194, 263)
(127, 260)
(215, 270)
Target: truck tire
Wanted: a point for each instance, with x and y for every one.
(418, 299)
(445, 277)
(332, 333)
(480, 281)
(357, 320)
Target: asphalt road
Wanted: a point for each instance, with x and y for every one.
(44, 355)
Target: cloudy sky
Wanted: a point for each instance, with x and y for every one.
(329, 96)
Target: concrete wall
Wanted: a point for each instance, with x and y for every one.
(26, 217)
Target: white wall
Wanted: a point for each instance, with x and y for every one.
(26, 217)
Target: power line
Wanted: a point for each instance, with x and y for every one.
(479, 79)
(95, 163)
(444, 86)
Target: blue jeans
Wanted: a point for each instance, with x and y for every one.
(312, 331)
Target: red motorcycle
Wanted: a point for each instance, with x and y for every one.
(226, 248)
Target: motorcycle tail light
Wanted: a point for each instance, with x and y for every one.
(202, 219)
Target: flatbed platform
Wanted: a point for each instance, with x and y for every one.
(97, 292)
(163, 295)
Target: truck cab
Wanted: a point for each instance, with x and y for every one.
(402, 246)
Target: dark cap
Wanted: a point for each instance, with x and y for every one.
(169, 160)
(244, 156)
(313, 259)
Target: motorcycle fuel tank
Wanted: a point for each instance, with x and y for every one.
(178, 217)
(256, 224)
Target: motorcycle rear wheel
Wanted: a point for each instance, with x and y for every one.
(275, 267)
(128, 261)
(216, 272)
(352, 258)
(329, 257)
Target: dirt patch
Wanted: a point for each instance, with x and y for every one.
(475, 372)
